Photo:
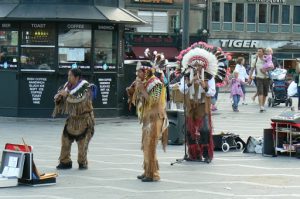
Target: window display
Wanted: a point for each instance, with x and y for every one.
(105, 49)
(38, 46)
(74, 41)
(8, 49)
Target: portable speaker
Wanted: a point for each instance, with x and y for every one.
(176, 127)
(268, 146)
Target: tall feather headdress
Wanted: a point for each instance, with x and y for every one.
(211, 58)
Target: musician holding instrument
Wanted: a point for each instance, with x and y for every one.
(201, 65)
(75, 100)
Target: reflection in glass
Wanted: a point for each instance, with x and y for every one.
(251, 13)
(216, 11)
(274, 14)
(262, 13)
(75, 38)
(70, 56)
(285, 14)
(37, 58)
(105, 50)
(239, 17)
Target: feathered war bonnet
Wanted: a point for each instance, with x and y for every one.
(211, 58)
(157, 60)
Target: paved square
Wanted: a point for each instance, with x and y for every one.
(115, 159)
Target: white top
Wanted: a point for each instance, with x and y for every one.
(211, 88)
(242, 72)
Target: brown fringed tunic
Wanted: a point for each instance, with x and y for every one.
(80, 123)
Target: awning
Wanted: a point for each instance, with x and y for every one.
(59, 12)
(169, 52)
(5, 9)
(119, 15)
(55, 12)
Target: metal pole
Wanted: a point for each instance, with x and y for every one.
(205, 15)
(186, 21)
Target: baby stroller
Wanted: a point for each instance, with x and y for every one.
(279, 88)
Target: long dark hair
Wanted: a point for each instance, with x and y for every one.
(76, 72)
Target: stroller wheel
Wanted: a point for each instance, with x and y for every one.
(239, 146)
(225, 147)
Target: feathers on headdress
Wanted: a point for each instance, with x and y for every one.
(211, 58)
(157, 60)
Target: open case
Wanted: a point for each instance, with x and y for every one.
(30, 174)
(11, 168)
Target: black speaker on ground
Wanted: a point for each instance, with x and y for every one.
(176, 126)
(268, 147)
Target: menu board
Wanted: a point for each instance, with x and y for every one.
(36, 88)
(38, 34)
(107, 93)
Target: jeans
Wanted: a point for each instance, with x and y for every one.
(215, 97)
(236, 100)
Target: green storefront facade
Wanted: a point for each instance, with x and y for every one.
(41, 40)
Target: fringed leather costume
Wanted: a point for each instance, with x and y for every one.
(80, 123)
(152, 115)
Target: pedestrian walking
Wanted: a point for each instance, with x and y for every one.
(236, 91)
(243, 76)
(262, 79)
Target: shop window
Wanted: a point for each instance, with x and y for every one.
(74, 42)
(251, 13)
(262, 13)
(239, 12)
(227, 12)
(38, 46)
(274, 14)
(158, 22)
(296, 14)
(105, 50)
(8, 49)
(216, 12)
(285, 14)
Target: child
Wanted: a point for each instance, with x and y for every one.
(236, 90)
(268, 65)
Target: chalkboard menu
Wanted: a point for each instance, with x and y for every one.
(38, 34)
(36, 88)
(107, 90)
(37, 91)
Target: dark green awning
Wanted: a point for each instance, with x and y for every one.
(119, 15)
(61, 12)
(5, 9)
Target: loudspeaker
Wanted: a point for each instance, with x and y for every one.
(176, 127)
(268, 147)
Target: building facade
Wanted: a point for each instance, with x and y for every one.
(164, 28)
(242, 26)
(40, 40)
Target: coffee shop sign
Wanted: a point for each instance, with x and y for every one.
(228, 43)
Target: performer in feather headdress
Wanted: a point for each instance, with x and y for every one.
(75, 100)
(150, 99)
(203, 65)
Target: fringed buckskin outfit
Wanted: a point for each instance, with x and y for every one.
(203, 66)
(152, 115)
(80, 123)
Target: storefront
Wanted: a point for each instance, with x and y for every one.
(36, 54)
(285, 51)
